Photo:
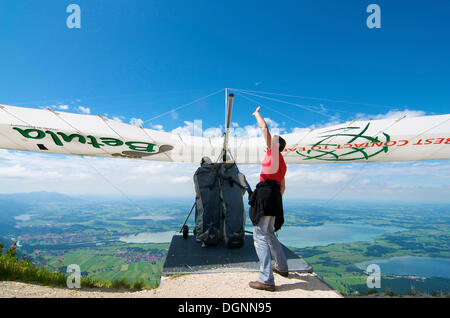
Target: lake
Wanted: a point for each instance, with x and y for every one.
(23, 217)
(293, 236)
(323, 235)
(149, 237)
(151, 217)
(411, 266)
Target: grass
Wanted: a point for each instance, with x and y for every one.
(120, 284)
(13, 269)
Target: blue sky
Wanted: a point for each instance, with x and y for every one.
(133, 60)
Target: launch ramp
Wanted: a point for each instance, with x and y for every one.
(186, 256)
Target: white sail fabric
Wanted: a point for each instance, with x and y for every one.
(48, 131)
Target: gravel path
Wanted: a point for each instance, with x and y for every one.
(235, 285)
(217, 285)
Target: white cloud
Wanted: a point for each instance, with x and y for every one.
(274, 127)
(25, 172)
(118, 119)
(213, 132)
(255, 131)
(300, 130)
(392, 114)
(183, 179)
(271, 123)
(330, 123)
(156, 127)
(195, 129)
(15, 171)
(190, 128)
(136, 122)
(84, 110)
(61, 107)
(310, 174)
(248, 131)
(57, 106)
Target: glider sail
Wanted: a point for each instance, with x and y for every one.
(48, 131)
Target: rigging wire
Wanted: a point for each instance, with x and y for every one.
(105, 120)
(6, 137)
(360, 169)
(114, 186)
(271, 109)
(85, 160)
(318, 109)
(367, 162)
(418, 135)
(381, 131)
(103, 176)
(306, 107)
(265, 106)
(109, 97)
(183, 106)
(318, 99)
(351, 180)
(439, 149)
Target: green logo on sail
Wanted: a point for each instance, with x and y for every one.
(59, 138)
(326, 150)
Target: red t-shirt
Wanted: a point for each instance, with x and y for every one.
(269, 167)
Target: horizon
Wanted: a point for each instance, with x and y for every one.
(288, 201)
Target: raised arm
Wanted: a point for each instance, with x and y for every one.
(263, 126)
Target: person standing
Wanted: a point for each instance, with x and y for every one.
(266, 210)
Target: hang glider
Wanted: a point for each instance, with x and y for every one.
(49, 131)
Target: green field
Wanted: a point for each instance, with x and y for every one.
(336, 263)
(113, 262)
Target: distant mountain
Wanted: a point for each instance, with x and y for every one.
(15, 204)
(8, 210)
(38, 197)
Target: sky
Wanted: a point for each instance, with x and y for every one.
(144, 62)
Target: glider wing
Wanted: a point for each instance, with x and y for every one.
(49, 131)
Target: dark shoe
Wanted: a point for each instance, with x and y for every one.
(284, 274)
(261, 286)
